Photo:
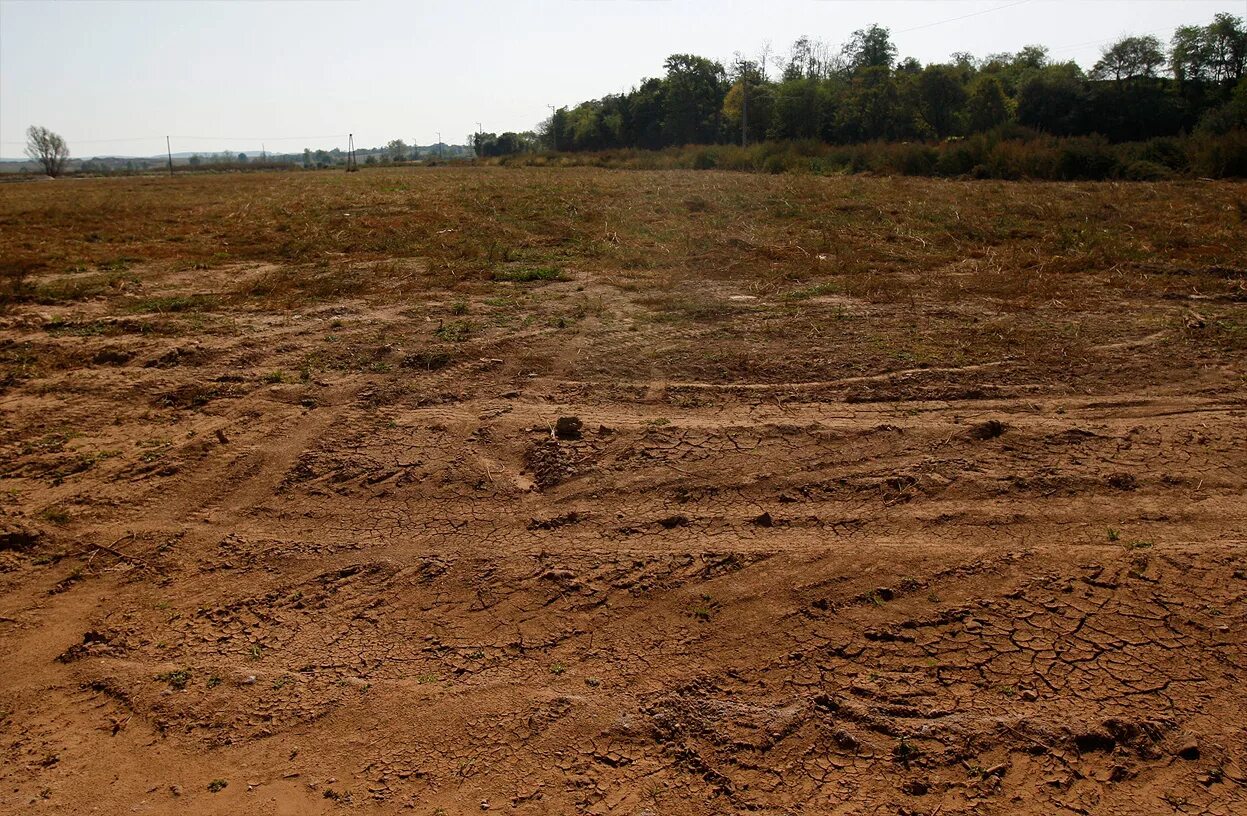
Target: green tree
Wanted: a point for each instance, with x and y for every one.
(870, 48)
(761, 101)
(941, 99)
(1189, 57)
(870, 108)
(988, 107)
(1052, 100)
(1130, 57)
(1226, 47)
(694, 99)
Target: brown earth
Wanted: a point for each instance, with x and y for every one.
(886, 496)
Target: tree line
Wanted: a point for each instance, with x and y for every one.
(1139, 89)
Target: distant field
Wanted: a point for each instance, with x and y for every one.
(885, 495)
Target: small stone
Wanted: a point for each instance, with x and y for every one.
(1188, 748)
(764, 520)
(1029, 695)
(484, 804)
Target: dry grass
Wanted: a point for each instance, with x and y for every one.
(869, 272)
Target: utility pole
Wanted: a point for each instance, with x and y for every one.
(554, 131)
(744, 105)
(170, 151)
(476, 148)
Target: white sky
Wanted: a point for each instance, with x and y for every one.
(116, 77)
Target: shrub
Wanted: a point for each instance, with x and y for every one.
(1221, 156)
(704, 160)
(1086, 159)
(1142, 170)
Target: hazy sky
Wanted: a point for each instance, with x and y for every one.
(116, 77)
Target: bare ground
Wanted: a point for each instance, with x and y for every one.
(338, 557)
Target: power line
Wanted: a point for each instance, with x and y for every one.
(963, 17)
(1076, 46)
(203, 138)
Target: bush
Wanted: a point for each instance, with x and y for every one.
(775, 164)
(1220, 156)
(1166, 152)
(1142, 170)
(1008, 152)
(1086, 159)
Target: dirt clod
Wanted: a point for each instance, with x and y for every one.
(1188, 747)
(990, 429)
(1123, 481)
(19, 537)
(568, 427)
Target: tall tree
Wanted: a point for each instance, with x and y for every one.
(47, 148)
(694, 99)
(1188, 54)
(870, 48)
(1130, 57)
(397, 149)
(988, 107)
(1052, 100)
(941, 99)
(1226, 43)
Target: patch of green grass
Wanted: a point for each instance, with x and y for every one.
(456, 331)
(48, 443)
(217, 785)
(89, 328)
(704, 608)
(528, 275)
(176, 679)
(56, 515)
(459, 307)
(426, 360)
(80, 287)
(817, 290)
(174, 303)
(274, 377)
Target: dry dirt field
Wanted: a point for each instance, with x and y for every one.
(881, 496)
